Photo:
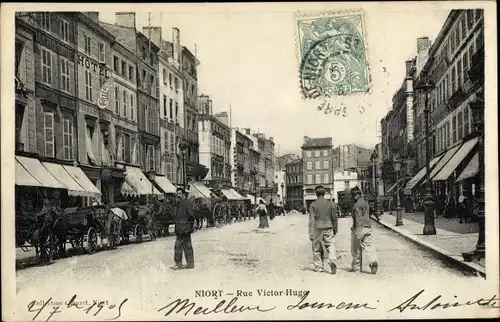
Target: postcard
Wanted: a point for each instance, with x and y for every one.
(209, 161)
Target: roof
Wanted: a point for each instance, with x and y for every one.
(295, 161)
(317, 142)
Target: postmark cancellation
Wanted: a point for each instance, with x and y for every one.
(332, 52)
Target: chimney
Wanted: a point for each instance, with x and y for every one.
(176, 40)
(125, 19)
(247, 131)
(423, 43)
(153, 33)
(409, 64)
(306, 138)
(92, 15)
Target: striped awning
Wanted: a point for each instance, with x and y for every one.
(38, 172)
(236, 195)
(74, 188)
(137, 184)
(471, 169)
(455, 161)
(419, 176)
(165, 184)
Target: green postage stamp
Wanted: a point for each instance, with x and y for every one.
(332, 54)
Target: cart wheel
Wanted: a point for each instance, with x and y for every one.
(46, 246)
(138, 233)
(91, 240)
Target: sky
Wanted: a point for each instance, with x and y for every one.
(248, 60)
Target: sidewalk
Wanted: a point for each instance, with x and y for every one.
(451, 238)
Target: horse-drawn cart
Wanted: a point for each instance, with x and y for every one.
(141, 221)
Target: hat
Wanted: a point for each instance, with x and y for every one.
(355, 190)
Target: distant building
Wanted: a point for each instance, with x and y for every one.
(317, 161)
(294, 184)
(283, 160)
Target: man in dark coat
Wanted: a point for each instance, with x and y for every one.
(323, 225)
(184, 226)
(361, 233)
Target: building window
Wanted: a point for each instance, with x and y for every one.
(457, 37)
(153, 85)
(170, 80)
(454, 85)
(317, 165)
(124, 103)
(117, 100)
(325, 153)
(460, 126)
(49, 133)
(479, 14)
(479, 39)
(454, 128)
(131, 73)
(67, 138)
(459, 73)
(309, 165)
(116, 64)
(464, 29)
(176, 111)
(123, 147)
(326, 165)
(88, 49)
(45, 21)
(46, 66)
(124, 68)
(470, 18)
(326, 178)
(151, 158)
(164, 76)
(64, 30)
(88, 85)
(309, 179)
(102, 53)
(317, 178)
(466, 121)
(165, 115)
(317, 153)
(176, 81)
(64, 74)
(146, 113)
(132, 112)
(452, 42)
(447, 134)
(465, 65)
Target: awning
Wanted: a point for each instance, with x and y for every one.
(74, 189)
(199, 190)
(165, 184)
(36, 169)
(442, 162)
(455, 161)
(394, 186)
(80, 177)
(23, 178)
(136, 183)
(237, 195)
(419, 176)
(471, 169)
(227, 193)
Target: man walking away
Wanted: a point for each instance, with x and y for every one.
(323, 226)
(361, 233)
(184, 226)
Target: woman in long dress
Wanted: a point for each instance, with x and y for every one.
(262, 212)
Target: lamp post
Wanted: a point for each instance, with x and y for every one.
(152, 175)
(282, 192)
(429, 229)
(183, 147)
(399, 216)
(477, 108)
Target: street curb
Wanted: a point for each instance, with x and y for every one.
(443, 253)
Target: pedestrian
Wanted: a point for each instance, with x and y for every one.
(464, 206)
(323, 224)
(271, 209)
(361, 233)
(262, 212)
(184, 226)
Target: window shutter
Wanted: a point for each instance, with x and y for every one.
(88, 145)
(54, 66)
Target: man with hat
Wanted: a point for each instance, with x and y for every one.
(361, 233)
(323, 226)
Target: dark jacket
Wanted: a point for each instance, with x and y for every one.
(184, 217)
(322, 214)
(361, 213)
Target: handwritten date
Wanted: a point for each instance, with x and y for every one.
(52, 308)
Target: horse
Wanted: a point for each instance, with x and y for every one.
(201, 211)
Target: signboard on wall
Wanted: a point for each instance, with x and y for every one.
(103, 99)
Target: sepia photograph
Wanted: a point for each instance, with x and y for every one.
(198, 161)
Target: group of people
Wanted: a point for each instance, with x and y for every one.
(323, 227)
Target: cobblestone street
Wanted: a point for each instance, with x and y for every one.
(231, 258)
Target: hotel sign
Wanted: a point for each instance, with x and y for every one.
(91, 64)
(103, 99)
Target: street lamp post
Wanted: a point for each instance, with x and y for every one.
(399, 216)
(282, 192)
(429, 229)
(183, 147)
(477, 108)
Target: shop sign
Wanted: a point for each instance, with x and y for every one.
(103, 98)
